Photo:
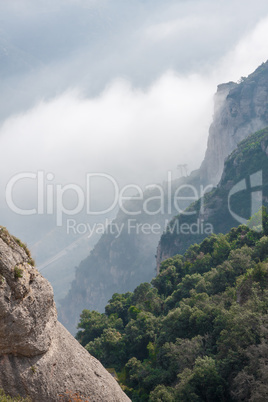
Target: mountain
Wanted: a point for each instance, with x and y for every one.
(242, 190)
(198, 332)
(240, 110)
(38, 357)
(125, 255)
(118, 263)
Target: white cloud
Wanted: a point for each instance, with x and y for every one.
(134, 135)
(247, 54)
(164, 30)
(140, 127)
(182, 28)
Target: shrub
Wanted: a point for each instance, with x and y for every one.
(18, 272)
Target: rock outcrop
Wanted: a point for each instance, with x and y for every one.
(38, 356)
(240, 110)
(120, 263)
(223, 208)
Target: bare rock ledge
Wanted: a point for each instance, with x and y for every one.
(38, 357)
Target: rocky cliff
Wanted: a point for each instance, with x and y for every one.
(242, 191)
(38, 356)
(240, 110)
(120, 263)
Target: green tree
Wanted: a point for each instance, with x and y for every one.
(162, 394)
(203, 383)
(92, 324)
(108, 348)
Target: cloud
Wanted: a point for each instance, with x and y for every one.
(30, 8)
(127, 89)
(132, 134)
(246, 55)
(165, 30)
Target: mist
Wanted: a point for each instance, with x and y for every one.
(118, 88)
(136, 134)
(122, 127)
(50, 47)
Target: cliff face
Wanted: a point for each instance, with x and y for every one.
(38, 357)
(120, 263)
(240, 110)
(246, 168)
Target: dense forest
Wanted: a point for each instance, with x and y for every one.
(198, 331)
(120, 263)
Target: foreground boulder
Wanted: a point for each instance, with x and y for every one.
(38, 356)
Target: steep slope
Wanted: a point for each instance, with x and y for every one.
(38, 357)
(240, 193)
(198, 332)
(240, 110)
(119, 262)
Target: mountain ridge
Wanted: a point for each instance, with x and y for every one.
(216, 208)
(120, 264)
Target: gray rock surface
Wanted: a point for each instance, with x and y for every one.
(118, 264)
(239, 110)
(38, 356)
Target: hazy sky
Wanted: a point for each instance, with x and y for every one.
(116, 86)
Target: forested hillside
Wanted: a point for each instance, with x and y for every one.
(118, 263)
(199, 331)
(244, 185)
